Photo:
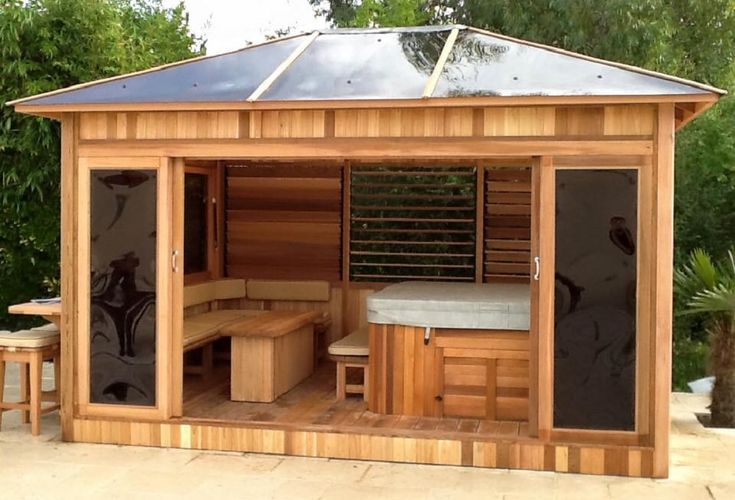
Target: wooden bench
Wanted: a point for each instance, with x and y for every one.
(351, 352)
(205, 319)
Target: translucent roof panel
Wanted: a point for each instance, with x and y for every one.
(362, 65)
(484, 65)
(227, 77)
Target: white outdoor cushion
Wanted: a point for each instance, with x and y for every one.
(28, 339)
(355, 344)
(48, 327)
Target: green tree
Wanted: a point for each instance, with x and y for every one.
(46, 45)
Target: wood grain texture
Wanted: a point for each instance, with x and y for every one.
(460, 373)
(283, 222)
(69, 220)
(663, 167)
(264, 367)
(501, 452)
(507, 225)
(515, 121)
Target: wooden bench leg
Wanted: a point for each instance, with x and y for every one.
(2, 389)
(36, 380)
(57, 377)
(25, 390)
(341, 380)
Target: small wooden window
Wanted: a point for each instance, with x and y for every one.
(199, 223)
(412, 223)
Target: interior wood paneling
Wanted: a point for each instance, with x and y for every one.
(283, 223)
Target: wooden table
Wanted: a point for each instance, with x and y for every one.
(271, 353)
(48, 311)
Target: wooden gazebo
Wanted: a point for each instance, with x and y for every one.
(497, 214)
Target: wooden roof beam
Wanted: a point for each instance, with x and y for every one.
(439, 66)
(265, 85)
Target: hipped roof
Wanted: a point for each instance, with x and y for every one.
(398, 64)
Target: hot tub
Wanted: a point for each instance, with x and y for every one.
(450, 349)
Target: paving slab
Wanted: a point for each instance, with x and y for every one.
(702, 466)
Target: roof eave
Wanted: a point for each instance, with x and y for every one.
(54, 109)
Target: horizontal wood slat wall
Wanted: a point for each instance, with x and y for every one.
(283, 222)
(613, 120)
(507, 231)
(525, 454)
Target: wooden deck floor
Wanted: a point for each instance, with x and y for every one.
(311, 406)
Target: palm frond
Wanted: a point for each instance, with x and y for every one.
(698, 274)
(720, 299)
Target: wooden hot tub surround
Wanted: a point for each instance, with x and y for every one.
(459, 373)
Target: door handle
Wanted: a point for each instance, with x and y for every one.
(537, 263)
(174, 264)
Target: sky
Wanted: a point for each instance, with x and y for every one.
(232, 24)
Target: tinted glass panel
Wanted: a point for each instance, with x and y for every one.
(228, 77)
(361, 66)
(123, 287)
(195, 213)
(595, 300)
(482, 65)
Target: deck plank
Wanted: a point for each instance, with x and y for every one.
(312, 405)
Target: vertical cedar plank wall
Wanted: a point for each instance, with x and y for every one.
(633, 128)
(617, 120)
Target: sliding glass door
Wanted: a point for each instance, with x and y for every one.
(595, 299)
(125, 283)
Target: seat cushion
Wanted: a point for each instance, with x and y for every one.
(48, 327)
(207, 325)
(354, 344)
(200, 293)
(230, 289)
(316, 291)
(29, 339)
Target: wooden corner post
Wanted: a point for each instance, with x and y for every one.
(69, 207)
(663, 176)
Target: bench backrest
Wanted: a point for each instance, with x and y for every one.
(210, 291)
(307, 291)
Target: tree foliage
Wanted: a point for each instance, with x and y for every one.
(46, 45)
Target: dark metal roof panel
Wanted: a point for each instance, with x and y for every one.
(225, 78)
(361, 65)
(484, 65)
(380, 63)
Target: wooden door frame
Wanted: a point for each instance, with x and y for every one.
(640, 436)
(162, 408)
